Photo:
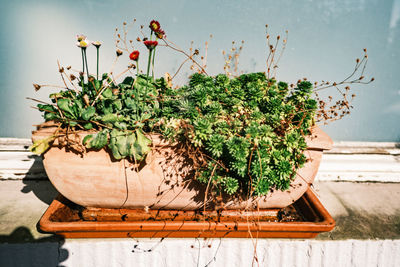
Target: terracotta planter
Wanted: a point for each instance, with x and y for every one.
(65, 219)
(162, 182)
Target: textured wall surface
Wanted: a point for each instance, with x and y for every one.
(212, 252)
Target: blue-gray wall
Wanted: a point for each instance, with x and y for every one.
(325, 37)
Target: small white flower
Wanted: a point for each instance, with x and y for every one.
(97, 44)
(80, 37)
(83, 43)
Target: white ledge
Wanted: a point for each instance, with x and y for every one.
(347, 161)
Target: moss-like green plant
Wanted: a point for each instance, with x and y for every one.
(250, 129)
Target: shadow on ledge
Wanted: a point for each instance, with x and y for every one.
(36, 181)
(20, 248)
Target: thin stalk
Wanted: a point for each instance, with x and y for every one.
(148, 64)
(152, 65)
(97, 63)
(87, 69)
(83, 67)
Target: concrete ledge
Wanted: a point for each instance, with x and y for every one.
(367, 218)
(347, 161)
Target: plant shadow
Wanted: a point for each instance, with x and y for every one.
(20, 248)
(36, 181)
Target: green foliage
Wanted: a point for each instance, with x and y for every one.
(250, 130)
(119, 114)
(252, 126)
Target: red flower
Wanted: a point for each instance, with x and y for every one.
(134, 55)
(160, 34)
(150, 44)
(154, 26)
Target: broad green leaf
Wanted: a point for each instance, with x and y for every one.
(88, 126)
(122, 145)
(64, 105)
(87, 138)
(109, 118)
(41, 146)
(117, 104)
(99, 140)
(88, 113)
(97, 84)
(50, 116)
(120, 125)
(107, 93)
(142, 145)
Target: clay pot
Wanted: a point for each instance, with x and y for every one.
(164, 181)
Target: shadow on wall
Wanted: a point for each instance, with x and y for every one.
(20, 248)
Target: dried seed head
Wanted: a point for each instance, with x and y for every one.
(80, 74)
(61, 70)
(115, 91)
(358, 60)
(138, 39)
(278, 37)
(36, 86)
(72, 77)
(334, 84)
(196, 52)
(68, 67)
(124, 23)
(118, 52)
(365, 50)
(86, 99)
(361, 77)
(372, 79)
(91, 79)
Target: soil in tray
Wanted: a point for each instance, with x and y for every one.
(72, 212)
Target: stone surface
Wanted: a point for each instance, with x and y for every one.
(367, 217)
(361, 210)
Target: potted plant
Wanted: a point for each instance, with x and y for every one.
(220, 142)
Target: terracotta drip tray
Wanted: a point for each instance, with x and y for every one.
(306, 218)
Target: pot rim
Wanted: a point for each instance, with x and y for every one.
(317, 140)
